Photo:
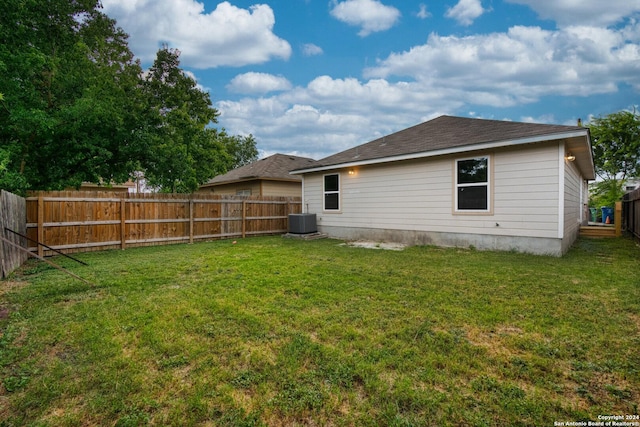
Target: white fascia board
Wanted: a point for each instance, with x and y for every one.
(561, 189)
(591, 161)
(446, 151)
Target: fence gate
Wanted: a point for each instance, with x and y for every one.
(13, 216)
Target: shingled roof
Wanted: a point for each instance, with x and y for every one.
(275, 167)
(443, 133)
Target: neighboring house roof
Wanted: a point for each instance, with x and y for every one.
(448, 135)
(275, 168)
(632, 184)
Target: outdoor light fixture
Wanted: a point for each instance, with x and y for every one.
(570, 157)
(352, 172)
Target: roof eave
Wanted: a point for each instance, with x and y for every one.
(241, 180)
(584, 156)
(446, 151)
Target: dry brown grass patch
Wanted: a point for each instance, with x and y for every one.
(493, 340)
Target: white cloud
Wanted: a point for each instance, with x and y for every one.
(227, 36)
(443, 76)
(545, 118)
(466, 11)
(311, 49)
(423, 13)
(583, 12)
(293, 128)
(258, 83)
(330, 115)
(370, 15)
(521, 65)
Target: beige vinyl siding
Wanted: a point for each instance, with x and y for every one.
(258, 188)
(572, 188)
(526, 191)
(233, 188)
(282, 188)
(419, 195)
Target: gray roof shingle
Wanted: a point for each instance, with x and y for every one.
(275, 167)
(442, 133)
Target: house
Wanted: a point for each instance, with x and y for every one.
(462, 182)
(265, 177)
(631, 184)
(127, 187)
(137, 184)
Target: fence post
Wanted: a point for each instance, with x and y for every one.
(13, 217)
(617, 215)
(40, 223)
(123, 223)
(286, 221)
(244, 218)
(191, 219)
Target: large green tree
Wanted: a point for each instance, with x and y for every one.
(70, 111)
(616, 150)
(242, 149)
(185, 150)
(75, 106)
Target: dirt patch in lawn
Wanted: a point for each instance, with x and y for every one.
(390, 246)
(5, 288)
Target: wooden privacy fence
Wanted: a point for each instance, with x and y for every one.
(631, 212)
(12, 217)
(73, 221)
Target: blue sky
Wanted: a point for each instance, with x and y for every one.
(315, 77)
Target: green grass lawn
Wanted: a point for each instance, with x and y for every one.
(272, 331)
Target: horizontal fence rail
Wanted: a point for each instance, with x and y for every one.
(91, 221)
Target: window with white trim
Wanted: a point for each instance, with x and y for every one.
(472, 185)
(332, 192)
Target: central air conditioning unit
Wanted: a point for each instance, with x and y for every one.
(302, 223)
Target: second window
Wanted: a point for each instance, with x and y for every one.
(332, 192)
(472, 184)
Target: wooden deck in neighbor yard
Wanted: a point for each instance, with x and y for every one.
(598, 230)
